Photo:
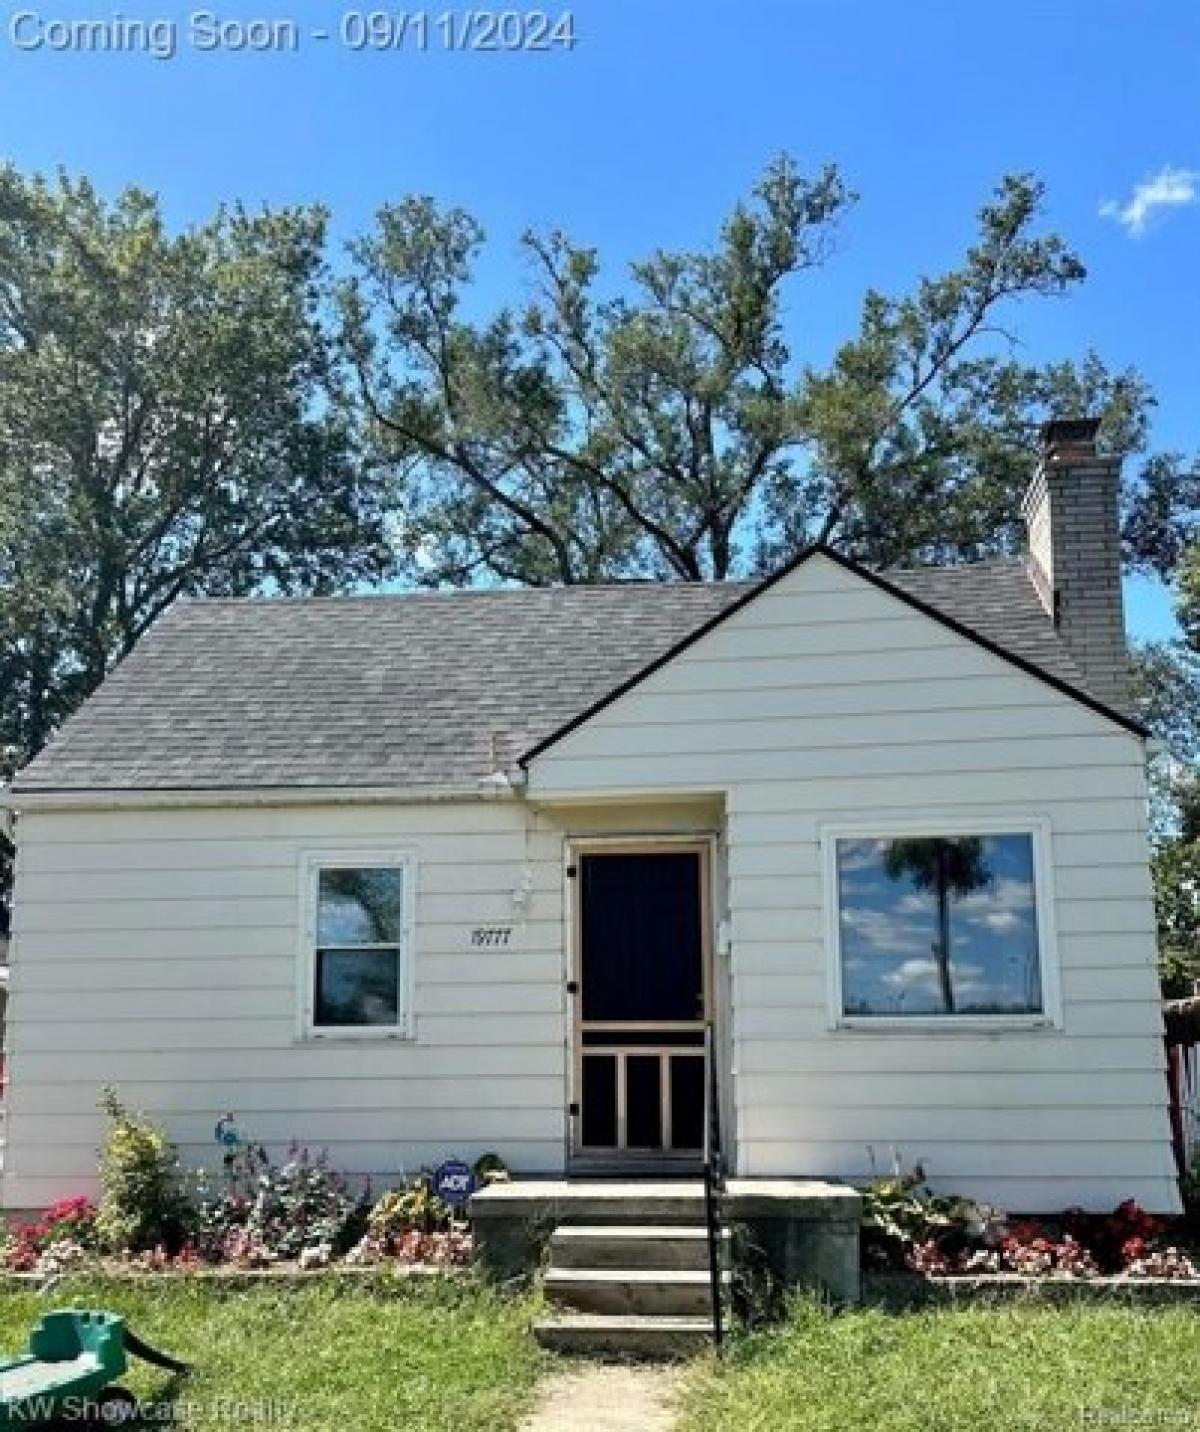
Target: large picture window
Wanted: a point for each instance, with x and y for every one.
(939, 927)
(359, 947)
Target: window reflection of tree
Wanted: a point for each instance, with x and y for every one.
(374, 893)
(371, 996)
(950, 869)
(360, 911)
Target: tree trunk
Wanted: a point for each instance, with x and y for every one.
(942, 949)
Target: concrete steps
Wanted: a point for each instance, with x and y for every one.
(597, 1335)
(635, 1289)
(629, 1246)
(630, 1292)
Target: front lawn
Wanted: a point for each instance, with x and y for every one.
(957, 1370)
(328, 1357)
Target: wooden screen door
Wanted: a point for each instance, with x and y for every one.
(642, 1002)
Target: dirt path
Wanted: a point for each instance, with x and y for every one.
(607, 1397)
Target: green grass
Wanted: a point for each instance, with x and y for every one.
(1018, 1367)
(411, 1355)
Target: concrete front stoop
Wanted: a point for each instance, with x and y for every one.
(627, 1267)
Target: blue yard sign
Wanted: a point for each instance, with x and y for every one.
(453, 1182)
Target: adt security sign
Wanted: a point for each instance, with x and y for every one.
(453, 1182)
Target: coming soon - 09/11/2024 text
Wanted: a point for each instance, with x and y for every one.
(416, 31)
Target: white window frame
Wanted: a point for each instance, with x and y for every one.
(311, 865)
(1050, 1017)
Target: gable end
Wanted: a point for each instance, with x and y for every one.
(1076, 693)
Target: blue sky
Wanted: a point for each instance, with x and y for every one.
(663, 114)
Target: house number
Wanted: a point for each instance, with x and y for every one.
(491, 935)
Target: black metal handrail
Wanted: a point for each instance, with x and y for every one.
(714, 1182)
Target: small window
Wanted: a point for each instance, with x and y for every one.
(358, 972)
(938, 927)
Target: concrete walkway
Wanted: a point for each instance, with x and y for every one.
(607, 1397)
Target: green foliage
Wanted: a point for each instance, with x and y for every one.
(401, 1209)
(143, 1205)
(668, 429)
(490, 1168)
(581, 435)
(1175, 867)
(1167, 689)
(1189, 583)
(1189, 1188)
(1162, 528)
(165, 429)
(901, 1211)
(1178, 972)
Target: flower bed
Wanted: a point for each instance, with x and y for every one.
(294, 1217)
(908, 1228)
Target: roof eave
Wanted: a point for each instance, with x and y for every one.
(181, 797)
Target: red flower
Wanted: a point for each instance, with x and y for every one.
(1132, 1250)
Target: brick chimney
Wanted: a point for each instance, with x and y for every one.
(1071, 511)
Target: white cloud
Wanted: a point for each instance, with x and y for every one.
(877, 930)
(860, 854)
(1002, 921)
(1003, 894)
(1171, 188)
(912, 972)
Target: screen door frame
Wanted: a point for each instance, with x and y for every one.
(702, 846)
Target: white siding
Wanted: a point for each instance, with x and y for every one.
(828, 700)
(157, 951)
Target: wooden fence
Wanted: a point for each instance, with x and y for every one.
(1183, 1077)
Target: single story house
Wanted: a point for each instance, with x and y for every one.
(440, 873)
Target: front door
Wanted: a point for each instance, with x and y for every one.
(642, 989)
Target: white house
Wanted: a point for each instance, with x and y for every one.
(430, 874)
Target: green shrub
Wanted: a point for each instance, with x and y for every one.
(1178, 972)
(416, 1206)
(902, 1212)
(490, 1168)
(1189, 1187)
(1176, 870)
(142, 1204)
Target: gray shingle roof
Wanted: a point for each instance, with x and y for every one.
(421, 690)
(998, 601)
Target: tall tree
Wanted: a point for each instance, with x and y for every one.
(163, 430)
(1169, 697)
(669, 430)
(581, 437)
